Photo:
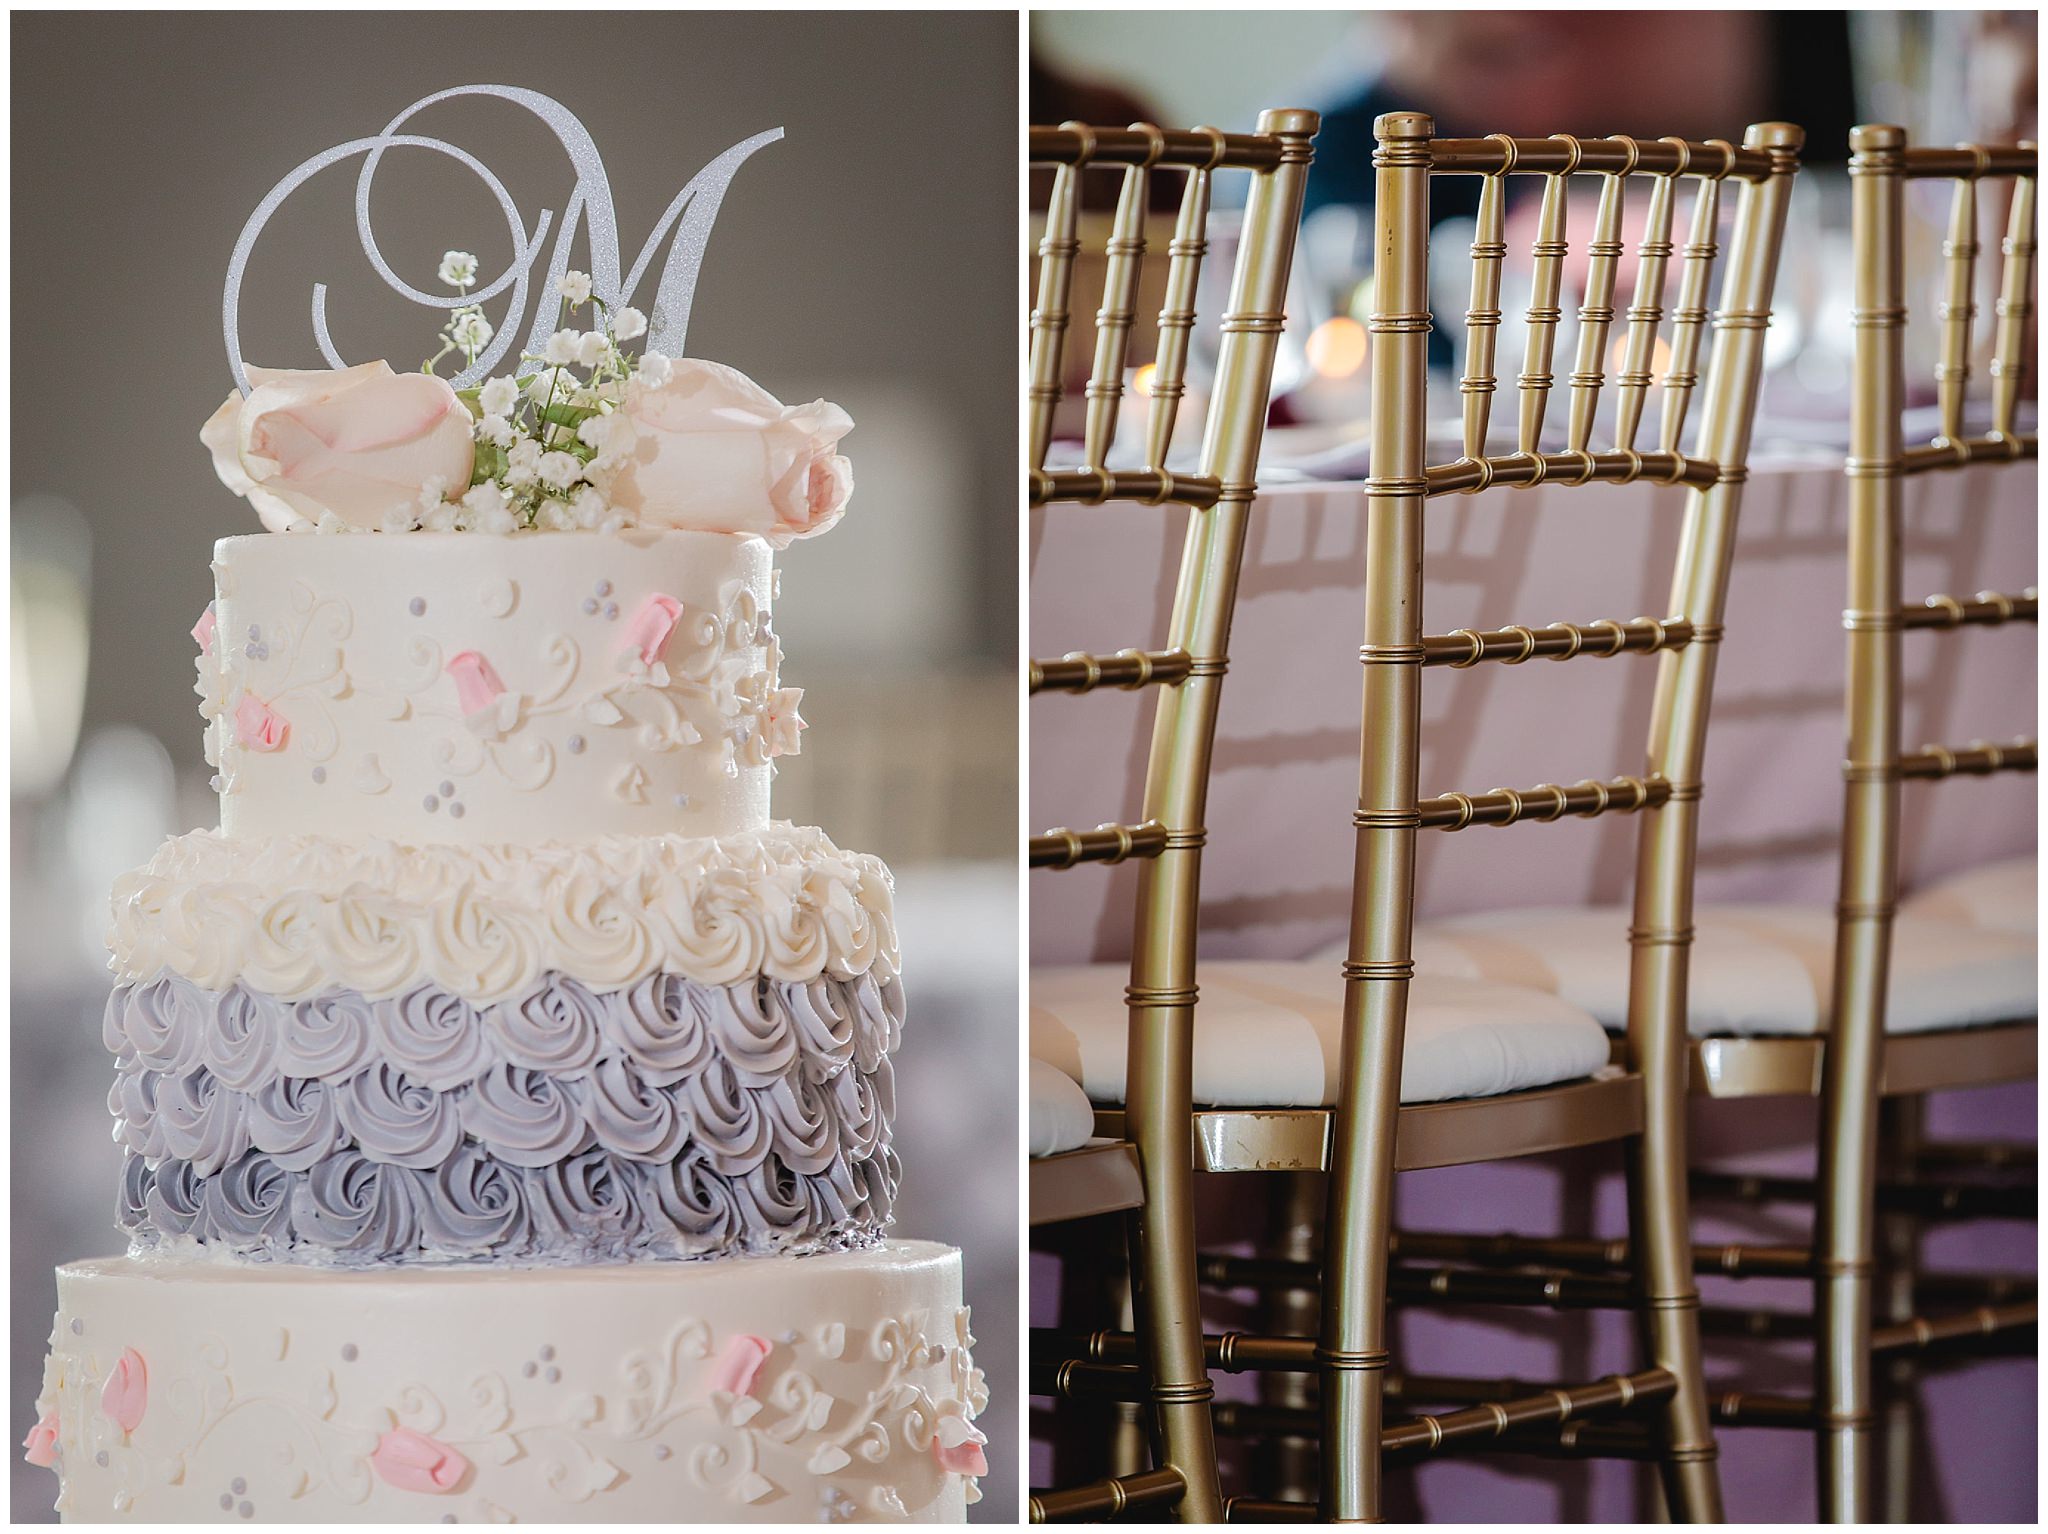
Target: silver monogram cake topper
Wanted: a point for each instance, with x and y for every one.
(690, 216)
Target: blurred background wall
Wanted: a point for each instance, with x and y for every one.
(852, 261)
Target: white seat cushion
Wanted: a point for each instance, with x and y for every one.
(1755, 969)
(1061, 1119)
(1266, 1035)
(2001, 896)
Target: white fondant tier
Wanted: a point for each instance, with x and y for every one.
(756, 1390)
(292, 916)
(449, 687)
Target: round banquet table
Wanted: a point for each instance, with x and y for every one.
(1276, 876)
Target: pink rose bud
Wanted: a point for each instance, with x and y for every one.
(738, 1364)
(40, 1447)
(203, 630)
(258, 726)
(125, 1396)
(651, 628)
(476, 681)
(414, 1462)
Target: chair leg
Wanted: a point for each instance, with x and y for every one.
(1285, 1467)
(1129, 1442)
(1845, 1234)
(1660, 1211)
(1901, 1121)
(1689, 1467)
(1167, 1308)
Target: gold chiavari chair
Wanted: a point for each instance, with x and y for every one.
(1399, 1090)
(1857, 1071)
(1146, 1170)
(1865, 1009)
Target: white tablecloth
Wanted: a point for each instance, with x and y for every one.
(1277, 875)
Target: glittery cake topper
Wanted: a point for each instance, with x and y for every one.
(690, 216)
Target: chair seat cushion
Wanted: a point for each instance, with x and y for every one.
(2003, 896)
(1755, 969)
(1061, 1118)
(1266, 1034)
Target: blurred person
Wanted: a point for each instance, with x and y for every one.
(1694, 74)
(1053, 97)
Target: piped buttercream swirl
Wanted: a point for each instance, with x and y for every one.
(293, 917)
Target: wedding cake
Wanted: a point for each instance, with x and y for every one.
(505, 1096)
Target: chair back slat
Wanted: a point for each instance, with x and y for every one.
(2015, 307)
(1689, 314)
(1957, 310)
(1056, 251)
(1125, 250)
(1645, 314)
(1596, 315)
(1482, 317)
(1184, 257)
(1547, 254)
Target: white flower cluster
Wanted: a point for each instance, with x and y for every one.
(541, 459)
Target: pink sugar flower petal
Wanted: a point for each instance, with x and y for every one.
(414, 1462)
(125, 1396)
(476, 681)
(40, 1447)
(258, 726)
(739, 1363)
(652, 627)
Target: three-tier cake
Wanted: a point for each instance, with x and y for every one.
(505, 1097)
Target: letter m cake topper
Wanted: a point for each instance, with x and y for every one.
(690, 216)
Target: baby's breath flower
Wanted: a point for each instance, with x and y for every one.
(496, 430)
(627, 324)
(575, 286)
(591, 349)
(471, 331)
(590, 506)
(593, 431)
(522, 463)
(558, 471)
(543, 385)
(554, 517)
(653, 370)
(499, 396)
(433, 490)
(482, 499)
(399, 522)
(564, 346)
(440, 520)
(458, 268)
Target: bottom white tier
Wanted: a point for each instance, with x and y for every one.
(769, 1390)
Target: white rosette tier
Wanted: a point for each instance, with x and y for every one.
(764, 1390)
(450, 688)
